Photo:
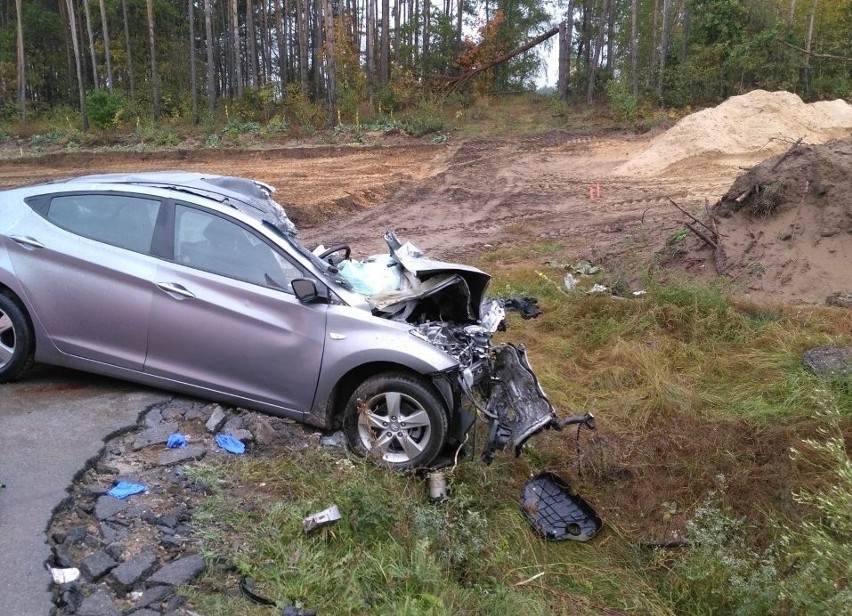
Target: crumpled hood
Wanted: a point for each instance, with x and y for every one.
(406, 285)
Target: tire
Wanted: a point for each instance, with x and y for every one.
(397, 418)
(17, 341)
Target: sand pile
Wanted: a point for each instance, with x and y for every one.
(745, 128)
(785, 226)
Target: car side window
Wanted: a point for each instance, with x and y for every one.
(120, 220)
(211, 243)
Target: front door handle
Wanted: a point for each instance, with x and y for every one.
(172, 288)
(27, 241)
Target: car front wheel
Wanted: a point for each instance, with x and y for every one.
(397, 418)
(16, 341)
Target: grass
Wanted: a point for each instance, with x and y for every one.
(689, 386)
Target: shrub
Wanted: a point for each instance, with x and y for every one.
(105, 108)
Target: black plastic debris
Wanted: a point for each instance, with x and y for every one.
(555, 513)
(527, 307)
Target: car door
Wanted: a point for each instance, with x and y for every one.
(84, 264)
(224, 316)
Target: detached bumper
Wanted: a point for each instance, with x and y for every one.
(518, 407)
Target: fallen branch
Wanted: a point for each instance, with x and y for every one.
(690, 215)
(706, 239)
(814, 54)
(462, 79)
(787, 153)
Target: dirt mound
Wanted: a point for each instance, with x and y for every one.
(742, 129)
(786, 225)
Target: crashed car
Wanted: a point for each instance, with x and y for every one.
(198, 284)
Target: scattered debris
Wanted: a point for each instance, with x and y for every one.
(436, 483)
(336, 440)
(230, 444)
(555, 513)
(598, 288)
(124, 489)
(247, 590)
(569, 281)
(176, 441)
(321, 518)
(64, 576)
(527, 307)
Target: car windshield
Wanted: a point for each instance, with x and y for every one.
(324, 266)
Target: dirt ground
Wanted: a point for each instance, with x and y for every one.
(468, 196)
(451, 199)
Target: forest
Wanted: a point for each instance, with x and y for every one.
(324, 62)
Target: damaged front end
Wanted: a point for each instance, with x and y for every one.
(446, 306)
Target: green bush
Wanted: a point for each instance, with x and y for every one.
(105, 108)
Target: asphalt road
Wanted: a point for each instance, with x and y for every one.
(51, 424)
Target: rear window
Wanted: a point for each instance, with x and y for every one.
(120, 220)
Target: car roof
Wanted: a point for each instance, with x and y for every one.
(246, 195)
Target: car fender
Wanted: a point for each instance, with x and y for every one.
(355, 338)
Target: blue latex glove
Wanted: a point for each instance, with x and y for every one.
(176, 441)
(230, 444)
(123, 489)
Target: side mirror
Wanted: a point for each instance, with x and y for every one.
(306, 291)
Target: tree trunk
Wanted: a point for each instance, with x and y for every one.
(566, 35)
(791, 16)
(208, 36)
(384, 52)
(235, 48)
(397, 22)
(91, 43)
(192, 75)
(808, 42)
(155, 77)
(107, 54)
(652, 63)
(664, 47)
(593, 69)
(265, 45)
(22, 83)
(130, 76)
(302, 25)
(330, 63)
(459, 23)
(687, 25)
(281, 42)
(634, 48)
(370, 49)
(427, 10)
(317, 42)
(75, 42)
(251, 44)
(610, 35)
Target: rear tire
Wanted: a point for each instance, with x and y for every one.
(397, 418)
(17, 341)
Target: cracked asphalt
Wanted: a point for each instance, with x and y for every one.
(51, 423)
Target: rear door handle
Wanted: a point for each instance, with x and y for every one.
(172, 288)
(25, 240)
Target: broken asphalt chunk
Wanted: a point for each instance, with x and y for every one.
(131, 572)
(179, 456)
(179, 572)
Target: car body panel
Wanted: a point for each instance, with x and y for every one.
(244, 339)
(93, 299)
